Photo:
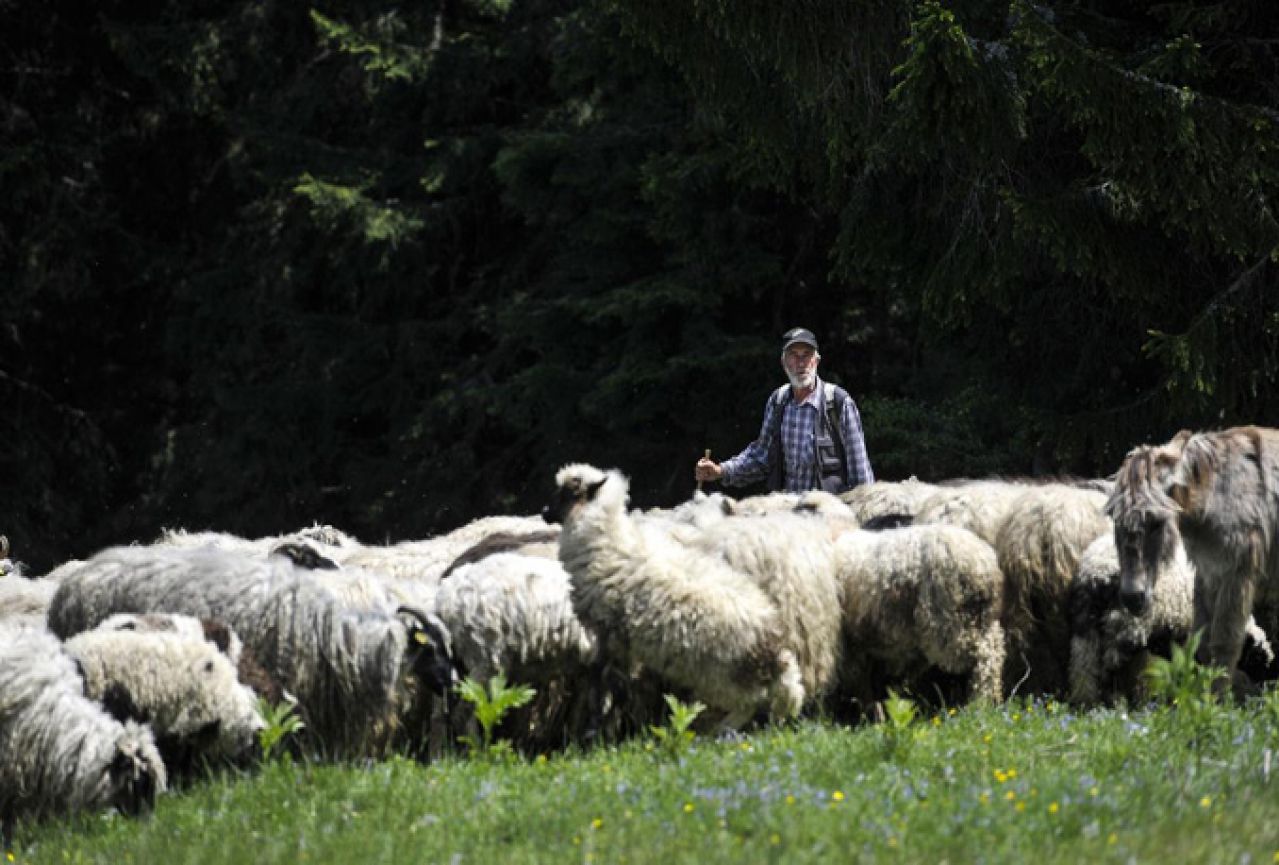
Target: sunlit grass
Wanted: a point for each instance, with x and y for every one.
(1017, 783)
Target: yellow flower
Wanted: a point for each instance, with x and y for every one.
(1010, 795)
(1054, 808)
(688, 807)
(597, 823)
(1205, 802)
(746, 746)
(951, 711)
(986, 739)
(1094, 792)
(1020, 806)
(936, 720)
(790, 800)
(838, 796)
(1012, 773)
(1000, 776)
(1016, 716)
(774, 839)
(892, 840)
(1112, 839)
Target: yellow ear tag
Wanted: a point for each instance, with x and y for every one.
(421, 638)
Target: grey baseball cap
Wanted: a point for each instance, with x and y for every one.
(798, 334)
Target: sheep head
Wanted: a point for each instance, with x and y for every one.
(578, 485)
(136, 774)
(430, 648)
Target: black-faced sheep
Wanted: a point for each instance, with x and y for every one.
(61, 752)
(678, 612)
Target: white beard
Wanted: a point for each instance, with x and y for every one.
(802, 380)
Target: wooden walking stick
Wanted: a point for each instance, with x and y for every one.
(705, 456)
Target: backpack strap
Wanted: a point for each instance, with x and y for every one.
(778, 401)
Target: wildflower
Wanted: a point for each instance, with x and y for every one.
(746, 746)
(1205, 802)
(936, 720)
(984, 798)
(951, 711)
(1012, 773)
(1016, 716)
(774, 839)
(1112, 839)
(688, 807)
(1020, 806)
(1053, 808)
(838, 796)
(1010, 795)
(892, 840)
(597, 823)
(541, 760)
(1000, 776)
(1094, 792)
(986, 739)
(790, 800)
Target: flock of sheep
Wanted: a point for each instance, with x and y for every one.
(151, 662)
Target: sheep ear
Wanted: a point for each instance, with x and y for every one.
(593, 489)
(728, 506)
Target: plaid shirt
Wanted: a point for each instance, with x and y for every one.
(799, 446)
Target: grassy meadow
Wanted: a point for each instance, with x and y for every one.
(1021, 782)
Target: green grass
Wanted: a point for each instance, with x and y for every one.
(1016, 783)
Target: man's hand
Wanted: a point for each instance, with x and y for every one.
(707, 470)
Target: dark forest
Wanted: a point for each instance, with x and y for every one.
(387, 266)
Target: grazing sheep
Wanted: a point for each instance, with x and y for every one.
(791, 556)
(1039, 544)
(513, 614)
(182, 686)
(979, 506)
(543, 544)
(680, 613)
(227, 641)
(887, 498)
(21, 597)
(915, 598)
(60, 752)
(360, 678)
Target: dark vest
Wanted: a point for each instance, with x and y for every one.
(832, 462)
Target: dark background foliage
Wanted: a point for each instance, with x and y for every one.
(388, 267)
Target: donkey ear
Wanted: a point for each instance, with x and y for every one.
(1178, 441)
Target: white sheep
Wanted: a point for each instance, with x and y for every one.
(979, 506)
(21, 597)
(513, 614)
(181, 685)
(678, 612)
(881, 499)
(61, 752)
(1039, 543)
(227, 641)
(791, 556)
(360, 678)
(919, 597)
